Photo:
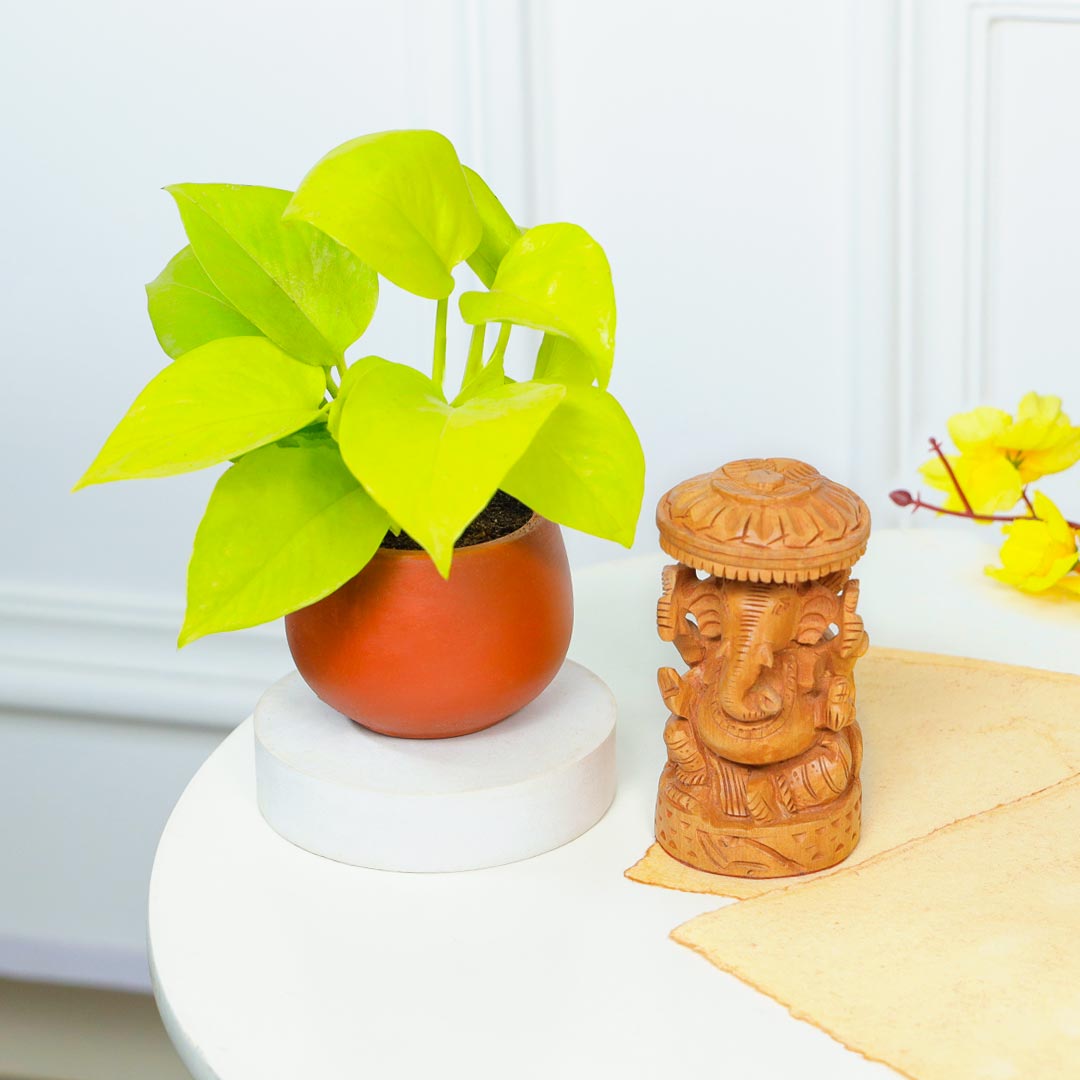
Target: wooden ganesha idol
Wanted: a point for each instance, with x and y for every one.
(762, 777)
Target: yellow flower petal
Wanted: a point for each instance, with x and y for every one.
(1058, 527)
(1040, 410)
(936, 475)
(1008, 577)
(1036, 583)
(1051, 576)
(1042, 439)
(978, 428)
(1038, 553)
(990, 482)
(1071, 582)
(1035, 464)
(1023, 552)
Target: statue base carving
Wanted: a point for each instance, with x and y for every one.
(765, 840)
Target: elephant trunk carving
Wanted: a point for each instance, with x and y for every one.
(747, 692)
(744, 698)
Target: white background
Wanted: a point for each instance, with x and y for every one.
(831, 225)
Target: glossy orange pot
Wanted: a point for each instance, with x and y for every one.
(404, 652)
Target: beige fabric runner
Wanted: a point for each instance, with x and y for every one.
(954, 957)
(944, 738)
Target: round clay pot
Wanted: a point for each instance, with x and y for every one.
(404, 652)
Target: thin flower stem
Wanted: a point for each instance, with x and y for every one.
(936, 447)
(438, 364)
(917, 503)
(968, 512)
(475, 360)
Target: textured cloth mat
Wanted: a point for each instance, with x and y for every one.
(953, 957)
(944, 738)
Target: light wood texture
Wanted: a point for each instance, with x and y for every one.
(963, 735)
(762, 778)
(953, 956)
(763, 519)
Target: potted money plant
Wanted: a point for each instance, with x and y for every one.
(409, 533)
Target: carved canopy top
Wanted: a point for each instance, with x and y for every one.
(764, 519)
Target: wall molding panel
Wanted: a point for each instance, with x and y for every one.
(986, 22)
(102, 724)
(97, 656)
(949, 213)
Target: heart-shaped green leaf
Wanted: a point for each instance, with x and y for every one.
(554, 278)
(187, 310)
(585, 468)
(352, 374)
(213, 403)
(560, 360)
(399, 200)
(434, 467)
(499, 230)
(303, 290)
(285, 526)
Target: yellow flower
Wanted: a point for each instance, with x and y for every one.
(1037, 555)
(991, 483)
(978, 431)
(999, 454)
(1041, 439)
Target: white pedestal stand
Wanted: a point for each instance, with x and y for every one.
(527, 785)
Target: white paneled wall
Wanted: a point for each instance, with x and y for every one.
(990, 160)
(710, 150)
(832, 223)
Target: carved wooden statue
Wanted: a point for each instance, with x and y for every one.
(762, 777)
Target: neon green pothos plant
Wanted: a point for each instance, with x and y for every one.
(256, 314)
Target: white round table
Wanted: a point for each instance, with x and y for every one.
(270, 963)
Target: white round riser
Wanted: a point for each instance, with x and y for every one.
(531, 783)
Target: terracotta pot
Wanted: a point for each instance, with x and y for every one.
(403, 652)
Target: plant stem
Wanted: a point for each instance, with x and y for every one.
(331, 386)
(499, 352)
(438, 364)
(1028, 503)
(475, 359)
(905, 498)
(936, 447)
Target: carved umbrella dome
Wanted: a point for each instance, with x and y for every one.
(764, 519)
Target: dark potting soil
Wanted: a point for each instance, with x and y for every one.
(502, 516)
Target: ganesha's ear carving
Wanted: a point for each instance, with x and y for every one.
(678, 584)
(854, 640)
(835, 581)
(819, 609)
(680, 588)
(707, 606)
(666, 609)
